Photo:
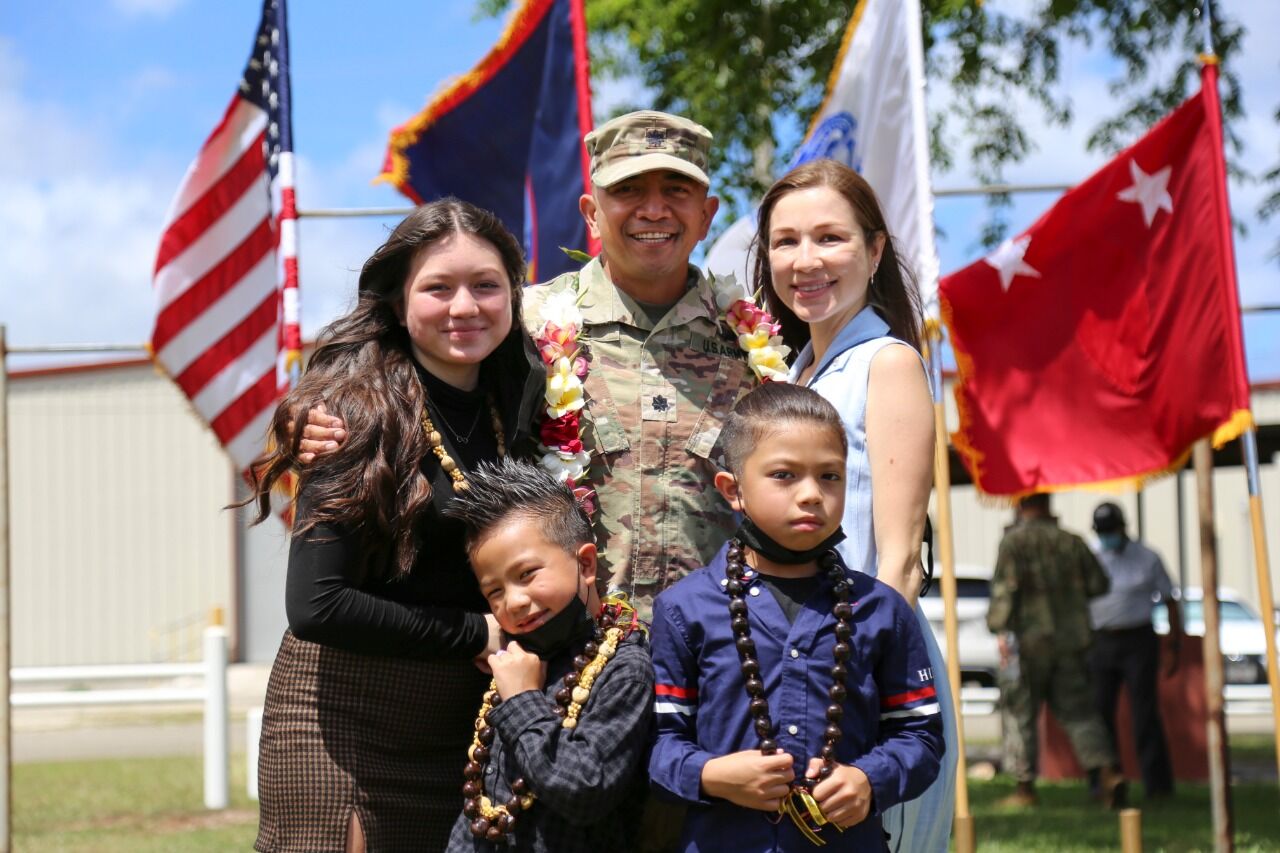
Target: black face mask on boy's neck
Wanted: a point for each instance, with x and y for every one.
(750, 534)
(559, 633)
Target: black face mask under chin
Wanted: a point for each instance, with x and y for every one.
(762, 543)
(559, 633)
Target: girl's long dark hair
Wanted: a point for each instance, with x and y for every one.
(893, 292)
(363, 371)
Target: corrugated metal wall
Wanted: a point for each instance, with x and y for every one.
(120, 545)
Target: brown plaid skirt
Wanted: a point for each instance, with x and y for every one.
(385, 737)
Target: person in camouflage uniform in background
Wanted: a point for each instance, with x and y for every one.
(663, 369)
(1039, 610)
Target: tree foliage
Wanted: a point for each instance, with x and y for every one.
(755, 71)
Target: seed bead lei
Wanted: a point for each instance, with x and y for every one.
(616, 621)
(446, 461)
(759, 708)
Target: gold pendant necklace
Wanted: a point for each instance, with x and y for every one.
(436, 441)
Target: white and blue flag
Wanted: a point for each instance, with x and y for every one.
(872, 119)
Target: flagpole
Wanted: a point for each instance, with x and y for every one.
(1249, 438)
(928, 276)
(964, 829)
(1262, 566)
(1219, 760)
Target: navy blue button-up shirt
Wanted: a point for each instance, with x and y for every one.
(891, 725)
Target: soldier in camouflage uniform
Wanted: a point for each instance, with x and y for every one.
(663, 370)
(1039, 610)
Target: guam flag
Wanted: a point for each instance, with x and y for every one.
(507, 135)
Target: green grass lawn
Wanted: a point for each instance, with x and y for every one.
(154, 804)
(139, 804)
(1067, 821)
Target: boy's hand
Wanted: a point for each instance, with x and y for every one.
(322, 434)
(844, 796)
(749, 778)
(516, 671)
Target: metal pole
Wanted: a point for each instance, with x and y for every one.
(1219, 760)
(964, 829)
(1262, 566)
(353, 212)
(216, 791)
(1182, 537)
(1003, 189)
(1142, 515)
(6, 719)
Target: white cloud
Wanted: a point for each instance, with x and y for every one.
(82, 220)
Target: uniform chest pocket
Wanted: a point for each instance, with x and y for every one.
(733, 379)
(607, 434)
(606, 429)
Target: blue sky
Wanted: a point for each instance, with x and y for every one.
(103, 104)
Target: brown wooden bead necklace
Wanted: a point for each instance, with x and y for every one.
(447, 462)
(616, 621)
(736, 586)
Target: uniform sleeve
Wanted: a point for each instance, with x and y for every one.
(675, 765)
(1004, 589)
(1096, 582)
(909, 745)
(583, 773)
(324, 607)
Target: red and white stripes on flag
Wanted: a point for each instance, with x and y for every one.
(226, 274)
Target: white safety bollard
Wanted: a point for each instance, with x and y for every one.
(252, 734)
(216, 794)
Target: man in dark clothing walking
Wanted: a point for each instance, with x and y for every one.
(1126, 649)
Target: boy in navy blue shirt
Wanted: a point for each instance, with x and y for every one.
(794, 697)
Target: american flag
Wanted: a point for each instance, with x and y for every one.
(226, 274)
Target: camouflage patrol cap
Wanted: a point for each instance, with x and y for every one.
(647, 141)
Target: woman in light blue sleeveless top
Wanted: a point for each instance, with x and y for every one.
(832, 278)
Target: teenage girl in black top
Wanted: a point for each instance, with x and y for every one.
(374, 690)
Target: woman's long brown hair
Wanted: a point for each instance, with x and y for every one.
(363, 371)
(893, 292)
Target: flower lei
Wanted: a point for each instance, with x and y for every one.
(558, 341)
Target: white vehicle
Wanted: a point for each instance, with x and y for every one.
(979, 656)
(1241, 633)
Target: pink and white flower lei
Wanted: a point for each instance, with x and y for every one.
(558, 342)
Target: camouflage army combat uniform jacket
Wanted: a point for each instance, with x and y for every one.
(657, 395)
(1040, 590)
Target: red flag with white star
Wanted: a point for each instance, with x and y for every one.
(1102, 342)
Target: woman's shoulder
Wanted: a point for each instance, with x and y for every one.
(896, 356)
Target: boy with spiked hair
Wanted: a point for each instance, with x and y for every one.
(558, 756)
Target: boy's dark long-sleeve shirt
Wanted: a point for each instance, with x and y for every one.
(891, 727)
(589, 780)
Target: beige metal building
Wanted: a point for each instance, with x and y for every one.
(121, 543)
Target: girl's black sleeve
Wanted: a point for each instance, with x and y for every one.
(323, 606)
